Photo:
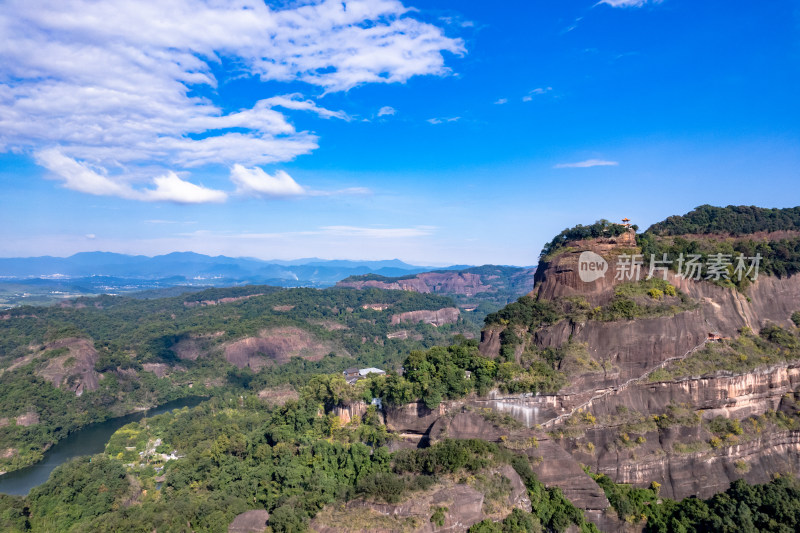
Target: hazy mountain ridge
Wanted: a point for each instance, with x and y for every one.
(42, 280)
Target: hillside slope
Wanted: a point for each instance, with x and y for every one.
(477, 290)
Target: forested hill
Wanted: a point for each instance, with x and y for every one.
(733, 220)
(64, 366)
(477, 290)
(771, 234)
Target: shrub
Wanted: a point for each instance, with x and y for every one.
(655, 294)
(438, 516)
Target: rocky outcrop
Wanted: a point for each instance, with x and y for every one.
(556, 468)
(73, 371)
(250, 522)
(439, 317)
(414, 417)
(559, 277)
(464, 283)
(31, 418)
(630, 347)
(463, 504)
(190, 347)
(349, 411)
(228, 300)
(277, 345)
(702, 473)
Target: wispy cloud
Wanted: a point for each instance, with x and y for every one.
(587, 164)
(115, 97)
(536, 92)
(627, 3)
(443, 120)
(386, 110)
(501, 101)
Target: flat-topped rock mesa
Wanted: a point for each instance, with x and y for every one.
(626, 348)
(559, 276)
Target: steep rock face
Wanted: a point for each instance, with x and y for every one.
(703, 473)
(556, 468)
(634, 346)
(465, 425)
(446, 315)
(560, 276)
(732, 396)
(414, 417)
(347, 412)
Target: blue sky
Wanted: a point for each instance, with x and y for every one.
(438, 132)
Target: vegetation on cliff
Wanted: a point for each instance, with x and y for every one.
(234, 453)
(773, 345)
(770, 507)
(131, 335)
(732, 220)
(499, 285)
(601, 228)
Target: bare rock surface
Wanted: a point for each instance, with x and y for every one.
(191, 347)
(465, 283)
(250, 522)
(439, 317)
(278, 345)
(465, 505)
(74, 370)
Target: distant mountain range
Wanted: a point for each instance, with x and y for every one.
(198, 267)
(42, 279)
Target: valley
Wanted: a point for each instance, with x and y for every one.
(611, 405)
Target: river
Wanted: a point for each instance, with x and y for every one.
(89, 440)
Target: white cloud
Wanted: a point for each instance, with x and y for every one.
(79, 177)
(587, 164)
(170, 188)
(256, 181)
(106, 94)
(626, 3)
(535, 92)
(501, 101)
(386, 110)
(442, 120)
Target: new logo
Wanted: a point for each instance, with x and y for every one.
(591, 266)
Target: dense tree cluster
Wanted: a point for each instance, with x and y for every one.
(601, 228)
(732, 220)
(771, 507)
(129, 332)
(291, 460)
